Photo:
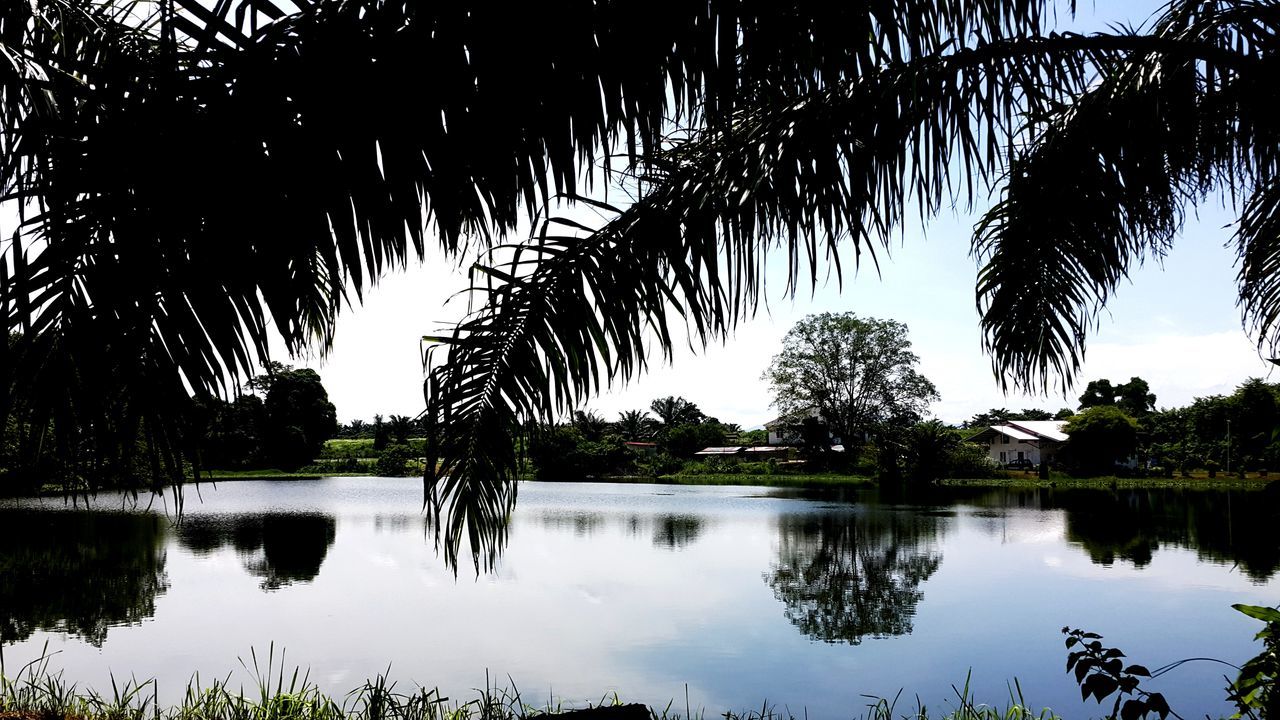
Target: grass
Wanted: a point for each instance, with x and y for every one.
(1031, 480)
(37, 693)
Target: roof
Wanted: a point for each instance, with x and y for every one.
(1014, 432)
(1027, 430)
(1049, 429)
(631, 443)
(732, 450)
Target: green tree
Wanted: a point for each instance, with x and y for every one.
(857, 373)
(401, 427)
(298, 416)
(1098, 393)
(1099, 437)
(673, 411)
(381, 433)
(930, 447)
(590, 424)
(682, 441)
(1134, 397)
(634, 425)
(994, 416)
(235, 433)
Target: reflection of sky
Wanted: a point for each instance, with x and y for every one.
(596, 594)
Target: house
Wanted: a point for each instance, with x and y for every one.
(786, 430)
(781, 433)
(1027, 440)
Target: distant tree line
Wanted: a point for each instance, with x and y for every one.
(588, 445)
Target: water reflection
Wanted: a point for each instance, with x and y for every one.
(844, 576)
(674, 532)
(1233, 528)
(280, 548)
(580, 523)
(79, 573)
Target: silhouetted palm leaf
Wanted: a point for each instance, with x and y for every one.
(1105, 183)
(192, 180)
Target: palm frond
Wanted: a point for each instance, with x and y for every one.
(1105, 182)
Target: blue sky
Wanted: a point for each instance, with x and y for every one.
(1175, 324)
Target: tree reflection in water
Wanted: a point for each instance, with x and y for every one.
(674, 532)
(844, 576)
(1225, 527)
(78, 572)
(280, 548)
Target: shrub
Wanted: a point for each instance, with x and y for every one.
(394, 461)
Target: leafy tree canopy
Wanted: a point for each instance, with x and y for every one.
(856, 373)
(299, 416)
(672, 411)
(1100, 437)
(1134, 397)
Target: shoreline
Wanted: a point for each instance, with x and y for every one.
(803, 481)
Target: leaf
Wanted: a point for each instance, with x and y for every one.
(1258, 612)
(1157, 703)
(1132, 709)
(1139, 670)
(1073, 658)
(1099, 685)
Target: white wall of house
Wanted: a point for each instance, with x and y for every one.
(1004, 449)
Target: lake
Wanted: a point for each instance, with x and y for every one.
(737, 595)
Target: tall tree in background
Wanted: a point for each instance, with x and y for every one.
(674, 411)
(856, 373)
(1134, 397)
(634, 425)
(299, 416)
(804, 132)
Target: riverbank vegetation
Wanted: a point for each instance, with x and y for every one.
(39, 694)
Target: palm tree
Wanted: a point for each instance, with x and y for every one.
(590, 424)
(634, 425)
(352, 131)
(672, 411)
(357, 428)
(401, 427)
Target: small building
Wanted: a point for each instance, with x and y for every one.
(1030, 441)
(731, 451)
(780, 433)
(644, 448)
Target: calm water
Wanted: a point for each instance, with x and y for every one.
(743, 594)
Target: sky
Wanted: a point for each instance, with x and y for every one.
(1175, 324)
